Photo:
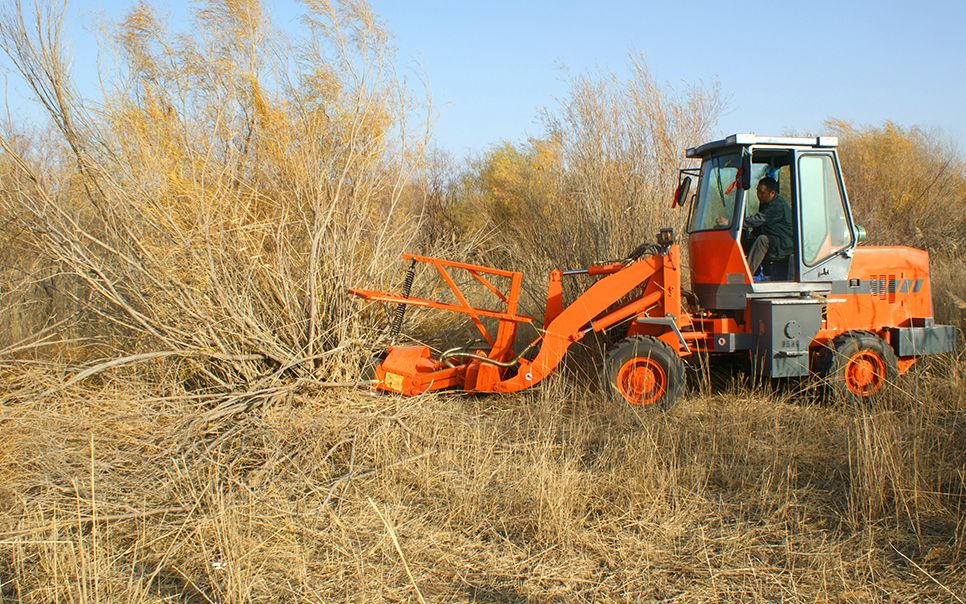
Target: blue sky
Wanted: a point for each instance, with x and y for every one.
(784, 66)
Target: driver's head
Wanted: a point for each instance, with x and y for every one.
(767, 189)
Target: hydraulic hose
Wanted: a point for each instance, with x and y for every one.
(459, 352)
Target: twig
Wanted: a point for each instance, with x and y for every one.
(26, 343)
(99, 518)
(351, 473)
(238, 403)
(109, 364)
(390, 418)
(144, 357)
(707, 559)
(395, 542)
(318, 384)
(925, 572)
(959, 302)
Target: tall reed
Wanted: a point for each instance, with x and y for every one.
(225, 191)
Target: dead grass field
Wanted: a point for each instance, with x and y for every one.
(121, 492)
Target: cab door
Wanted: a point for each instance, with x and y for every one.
(826, 237)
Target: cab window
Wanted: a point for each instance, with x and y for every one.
(824, 223)
(769, 163)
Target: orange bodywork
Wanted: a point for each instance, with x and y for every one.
(887, 287)
(721, 259)
(646, 296)
(894, 298)
(898, 296)
(650, 287)
(409, 370)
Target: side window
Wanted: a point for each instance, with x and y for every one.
(825, 228)
(758, 171)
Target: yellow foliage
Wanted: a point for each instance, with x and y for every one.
(518, 183)
(907, 186)
(232, 183)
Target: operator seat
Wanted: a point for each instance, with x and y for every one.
(779, 268)
(783, 268)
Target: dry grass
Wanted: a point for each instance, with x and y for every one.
(123, 492)
(906, 186)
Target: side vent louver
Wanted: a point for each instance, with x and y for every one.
(884, 286)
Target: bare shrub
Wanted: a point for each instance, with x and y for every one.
(620, 145)
(229, 187)
(907, 186)
(596, 185)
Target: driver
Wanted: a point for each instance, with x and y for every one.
(771, 227)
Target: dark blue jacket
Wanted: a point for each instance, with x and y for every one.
(774, 219)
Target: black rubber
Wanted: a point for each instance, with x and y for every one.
(833, 362)
(645, 347)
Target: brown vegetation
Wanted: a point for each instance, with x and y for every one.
(175, 339)
(114, 493)
(908, 187)
(201, 205)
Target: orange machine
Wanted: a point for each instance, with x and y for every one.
(857, 315)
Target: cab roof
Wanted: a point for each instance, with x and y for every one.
(747, 140)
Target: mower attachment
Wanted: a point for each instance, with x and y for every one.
(409, 370)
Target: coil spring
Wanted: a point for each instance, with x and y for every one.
(397, 318)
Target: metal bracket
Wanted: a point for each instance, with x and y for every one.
(670, 321)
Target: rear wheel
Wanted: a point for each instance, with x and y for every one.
(644, 371)
(859, 365)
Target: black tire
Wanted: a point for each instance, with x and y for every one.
(644, 371)
(858, 366)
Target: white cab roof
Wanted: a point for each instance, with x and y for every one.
(745, 140)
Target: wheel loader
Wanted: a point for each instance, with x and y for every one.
(856, 315)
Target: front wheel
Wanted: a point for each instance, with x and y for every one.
(859, 365)
(644, 371)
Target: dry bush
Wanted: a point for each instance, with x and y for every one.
(620, 144)
(228, 188)
(595, 186)
(906, 186)
(948, 280)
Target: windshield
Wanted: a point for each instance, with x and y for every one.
(717, 193)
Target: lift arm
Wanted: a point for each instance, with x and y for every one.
(410, 370)
(589, 312)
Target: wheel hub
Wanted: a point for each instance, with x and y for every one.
(642, 381)
(864, 374)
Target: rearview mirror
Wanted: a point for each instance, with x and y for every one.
(681, 194)
(746, 171)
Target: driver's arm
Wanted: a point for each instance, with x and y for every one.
(769, 213)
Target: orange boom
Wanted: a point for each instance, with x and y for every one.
(824, 304)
